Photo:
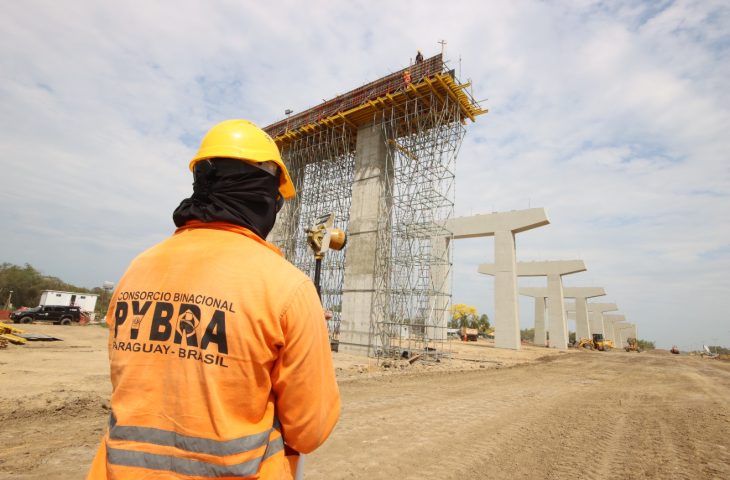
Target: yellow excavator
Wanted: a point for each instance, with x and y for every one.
(596, 343)
(633, 345)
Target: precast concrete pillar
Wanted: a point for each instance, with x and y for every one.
(582, 329)
(540, 295)
(613, 320)
(595, 317)
(503, 226)
(557, 325)
(506, 330)
(540, 330)
(441, 284)
(626, 331)
(368, 191)
(609, 329)
(595, 320)
(579, 309)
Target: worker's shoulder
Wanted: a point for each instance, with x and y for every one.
(278, 265)
(248, 254)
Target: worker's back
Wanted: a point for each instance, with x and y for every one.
(214, 340)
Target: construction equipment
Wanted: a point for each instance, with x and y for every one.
(633, 345)
(598, 342)
(595, 343)
(674, 350)
(321, 237)
(585, 343)
(706, 352)
(469, 334)
(8, 334)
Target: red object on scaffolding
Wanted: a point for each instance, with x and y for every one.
(383, 86)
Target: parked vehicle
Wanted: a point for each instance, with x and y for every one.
(469, 334)
(57, 314)
(85, 301)
(596, 343)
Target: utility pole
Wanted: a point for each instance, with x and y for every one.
(7, 302)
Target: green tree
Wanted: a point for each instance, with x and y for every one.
(646, 345)
(527, 334)
(483, 323)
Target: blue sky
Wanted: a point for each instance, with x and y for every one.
(614, 118)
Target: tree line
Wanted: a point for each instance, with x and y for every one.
(27, 283)
(528, 334)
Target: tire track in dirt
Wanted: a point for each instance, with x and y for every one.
(479, 419)
(36, 438)
(579, 416)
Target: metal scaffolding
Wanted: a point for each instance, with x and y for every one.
(413, 264)
(421, 111)
(321, 166)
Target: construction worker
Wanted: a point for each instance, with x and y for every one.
(419, 57)
(407, 77)
(220, 359)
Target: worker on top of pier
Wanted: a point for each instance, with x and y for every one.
(419, 57)
(220, 359)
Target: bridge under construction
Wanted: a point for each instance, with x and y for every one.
(381, 158)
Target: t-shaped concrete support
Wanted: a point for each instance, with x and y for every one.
(554, 271)
(626, 331)
(540, 296)
(581, 294)
(582, 330)
(595, 316)
(503, 226)
(610, 321)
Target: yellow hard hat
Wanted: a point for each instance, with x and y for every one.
(245, 141)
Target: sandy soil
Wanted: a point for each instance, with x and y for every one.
(482, 413)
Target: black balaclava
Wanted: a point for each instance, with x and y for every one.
(228, 190)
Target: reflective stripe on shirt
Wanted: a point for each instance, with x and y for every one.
(185, 466)
(169, 438)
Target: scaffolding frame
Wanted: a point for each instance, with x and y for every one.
(413, 262)
(421, 111)
(321, 166)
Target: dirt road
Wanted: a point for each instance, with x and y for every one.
(573, 415)
(592, 415)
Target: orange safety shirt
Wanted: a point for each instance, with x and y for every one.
(219, 356)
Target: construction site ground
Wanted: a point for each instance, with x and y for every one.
(481, 413)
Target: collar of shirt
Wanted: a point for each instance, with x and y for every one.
(229, 227)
